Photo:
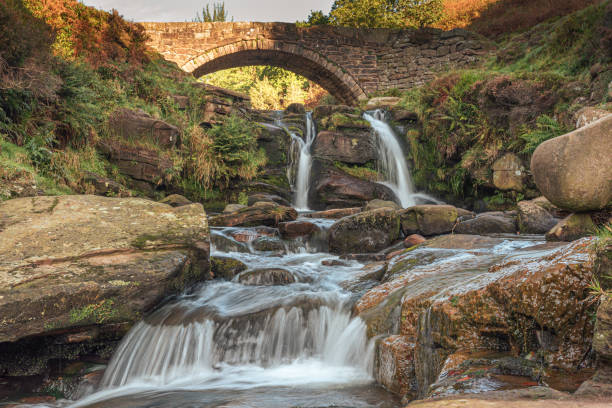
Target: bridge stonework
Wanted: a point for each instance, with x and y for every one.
(350, 63)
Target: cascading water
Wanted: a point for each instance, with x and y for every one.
(301, 174)
(233, 340)
(392, 160)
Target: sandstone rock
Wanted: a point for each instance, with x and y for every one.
(226, 268)
(267, 198)
(509, 173)
(296, 108)
(395, 365)
(138, 125)
(413, 240)
(268, 214)
(322, 111)
(334, 214)
(573, 171)
(488, 223)
(223, 243)
(104, 186)
(574, 227)
(550, 207)
(428, 219)
(294, 229)
(354, 147)
(175, 200)
(365, 232)
(232, 208)
(275, 141)
(74, 261)
(268, 244)
(333, 188)
(533, 219)
(588, 115)
(383, 102)
(376, 204)
(267, 277)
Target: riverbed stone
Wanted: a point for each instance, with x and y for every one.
(573, 227)
(488, 223)
(232, 208)
(533, 218)
(414, 240)
(573, 171)
(175, 200)
(376, 204)
(261, 213)
(267, 277)
(226, 268)
(334, 213)
(295, 229)
(428, 219)
(370, 231)
(509, 173)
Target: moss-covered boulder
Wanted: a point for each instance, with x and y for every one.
(428, 219)
(226, 268)
(370, 231)
(76, 268)
(574, 227)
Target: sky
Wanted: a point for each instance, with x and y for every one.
(241, 10)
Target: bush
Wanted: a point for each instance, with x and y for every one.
(546, 128)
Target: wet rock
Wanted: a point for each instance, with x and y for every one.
(376, 204)
(296, 108)
(322, 111)
(269, 214)
(509, 173)
(588, 115)
(251, 234)
(232, 208)
(267, 277)
(488, 223)
(574, 227)
(222, 243)
(428, 219)
(294, 229)
(383, 102)
(534, 219)
(138, 125)
(414, 240)
(333, 262)
(366, 232)
(462, 241)
(395, 365)
(70, 262)
(353, 147)
(573, 171)
(267, 244)
(267, 198)
(226, 268)
(175, 200)
(334, 214)
(333, 188)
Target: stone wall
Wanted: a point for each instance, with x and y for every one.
(350, 63)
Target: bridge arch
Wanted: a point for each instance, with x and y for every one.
(293, 57)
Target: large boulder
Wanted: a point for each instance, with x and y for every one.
(333, 188)
(138, 125)
(72, 263)
(488, 223)
(263, 213)
(534, 219)
(366, 232)
(509, 173)
(334, 214)
(573, 171)
(354, 147)
(428, 219)
(295, 229)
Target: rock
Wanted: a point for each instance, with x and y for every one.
(334, 214)
(413, 240)
(294, 229)
(345, 122)
(322, 111)
(463, 241)
(395, 365)
(550, 207)
(296, 108)
(509, 173)
(428, 219)
(376, 204)
(226, 268)
(267, 198)
(333, 262)
(588, 115)
(268, 214)
(103, 186)
(251, 234)
(138, 125)
(354, 147)
(268, 244)
(267, 277)
(182, 102)
(232, 208)
(366, 232)
(333, 188)
(534, 219)
(488, 223)
(175, 200)
(383, 102)
(402, 115)
(224, 92)
(71, 262)
(275, 141)
(573, 171)
(223, 243)
(574, 227)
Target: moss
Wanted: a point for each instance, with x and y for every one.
(105, 311)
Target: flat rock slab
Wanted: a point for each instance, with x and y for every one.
(73, 261)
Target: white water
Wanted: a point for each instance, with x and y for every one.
(302, 177)
(392, 160)
(230, 338)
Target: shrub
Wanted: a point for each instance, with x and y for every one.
(546, 128)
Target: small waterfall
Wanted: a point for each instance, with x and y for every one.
(392, 160)
(299, 170)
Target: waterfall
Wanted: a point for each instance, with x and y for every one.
(392, 160)
(301, 174)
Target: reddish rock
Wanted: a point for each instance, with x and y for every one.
(366, 232)
(297, 229)
(354, 147)
(413, 240)
(268, 214)
(334, 214)
(138, 125)
(395, 365)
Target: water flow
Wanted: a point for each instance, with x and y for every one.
(392, 160)
(300, 150)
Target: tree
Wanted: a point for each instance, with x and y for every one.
(219, 14)
(316, 17)
(386, 13)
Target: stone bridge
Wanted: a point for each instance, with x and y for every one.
(349, 63)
